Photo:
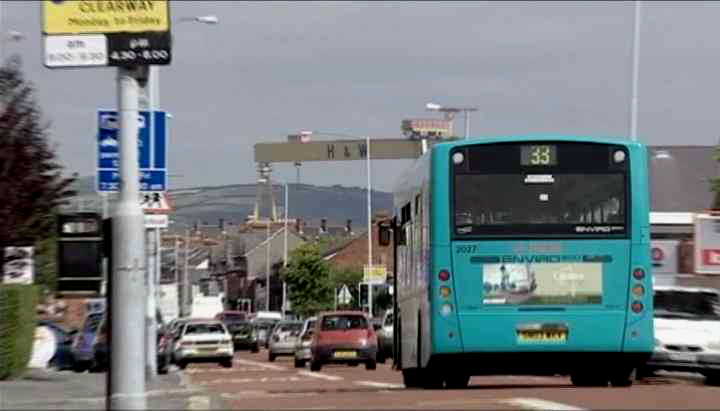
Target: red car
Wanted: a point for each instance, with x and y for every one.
(343, 337)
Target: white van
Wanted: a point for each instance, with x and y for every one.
(687, 331)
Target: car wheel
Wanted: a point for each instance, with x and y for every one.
(271, 357)
(227, 362)
(255, 348)
(162, 370)
(299, 363)
(353, 364)
(380, 357)
(370, 365)
(182, 364)
(315, 366)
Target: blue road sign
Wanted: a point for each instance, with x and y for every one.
(152, 154)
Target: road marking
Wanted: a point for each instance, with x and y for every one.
(379, 384)
(321, 376)
(291, 378)
(265, 394)
(199, 402)
(260, 364)
(440, 403)
(538, 404)
(223, 370)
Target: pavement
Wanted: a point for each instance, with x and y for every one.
(60, 390)
(254, 383)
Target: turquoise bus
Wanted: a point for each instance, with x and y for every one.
(522, 256)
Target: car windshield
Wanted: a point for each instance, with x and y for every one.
(239, 326)
(204, 329)
(686, 304)
(343, 322)
(289, 327)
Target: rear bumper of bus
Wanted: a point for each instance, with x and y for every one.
(536, 363)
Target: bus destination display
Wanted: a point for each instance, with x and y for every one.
(538, 155)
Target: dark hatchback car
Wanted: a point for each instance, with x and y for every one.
(163, 348)
(244, 335)
(343, 337)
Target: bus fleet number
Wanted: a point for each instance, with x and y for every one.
(466, 249)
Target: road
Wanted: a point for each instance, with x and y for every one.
(256, 383)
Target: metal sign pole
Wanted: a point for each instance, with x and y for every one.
(128, 378)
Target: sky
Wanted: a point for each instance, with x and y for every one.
(270, 69)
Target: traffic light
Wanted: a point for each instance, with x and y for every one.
(363, 295)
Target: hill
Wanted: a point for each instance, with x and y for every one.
(209, 204)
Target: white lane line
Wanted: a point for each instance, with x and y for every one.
(538, 404)
(321, 376)
(260, 364)
(199, 402)
(379, 384)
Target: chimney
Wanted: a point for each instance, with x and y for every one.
(323, 225)
(348, 226)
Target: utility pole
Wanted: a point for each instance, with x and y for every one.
(267, 266)
(186, 278)
(127, 377)
(285, 251)
(370, 233)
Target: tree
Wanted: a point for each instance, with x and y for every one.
(308, 278)
(32, 186)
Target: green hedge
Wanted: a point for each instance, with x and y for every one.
(17, 328)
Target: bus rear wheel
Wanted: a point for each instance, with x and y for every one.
(457, 382)
(588, 380)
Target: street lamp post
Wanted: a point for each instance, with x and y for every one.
(635, 72)
(285, 251)
(450, 112)
(369, 204)
(152, 102)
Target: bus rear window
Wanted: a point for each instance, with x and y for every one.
(581, 191)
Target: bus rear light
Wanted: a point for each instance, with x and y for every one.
(445, 292)
(639, 273)
(638, 290)
(446, 310)
(637, 306)
(444, 275)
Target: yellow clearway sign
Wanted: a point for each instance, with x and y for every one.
(105, 16)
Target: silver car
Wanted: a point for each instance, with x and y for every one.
(302, 346)
(283, 338)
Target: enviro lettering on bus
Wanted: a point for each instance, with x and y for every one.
(541, 259)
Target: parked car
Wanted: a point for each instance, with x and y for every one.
(244, 335)
(264, 328)
(203, 341)
(687, 331)
(163, 340)
(343, 337)
(283, 338)
(83, 343)
(302, 345)
(63, 358)
(385, 337)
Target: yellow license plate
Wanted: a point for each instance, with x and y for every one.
(345, 354)
(542, 336)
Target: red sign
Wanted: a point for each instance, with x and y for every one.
(711, 257)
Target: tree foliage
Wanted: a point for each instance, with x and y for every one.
(32, 185)
(308, 279)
